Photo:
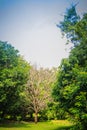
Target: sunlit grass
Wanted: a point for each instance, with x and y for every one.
(52, 125)
(61, 122)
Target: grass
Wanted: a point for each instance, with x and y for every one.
(52, 125)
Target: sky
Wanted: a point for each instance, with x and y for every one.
(30, 26)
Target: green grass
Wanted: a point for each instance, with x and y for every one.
(52, 125)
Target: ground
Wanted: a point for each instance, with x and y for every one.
(51, 125)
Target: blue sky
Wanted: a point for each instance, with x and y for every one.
(30, 26)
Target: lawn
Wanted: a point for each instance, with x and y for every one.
(52, 125)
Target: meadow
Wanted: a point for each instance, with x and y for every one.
(51, 125)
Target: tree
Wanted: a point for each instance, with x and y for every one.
(13, 76)
(39, 89)
(71, 87)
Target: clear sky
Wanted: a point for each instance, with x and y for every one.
(30, 26)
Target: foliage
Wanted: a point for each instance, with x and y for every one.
(71, 86)
(13, 76)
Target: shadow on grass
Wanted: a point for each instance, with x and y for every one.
(14, 124)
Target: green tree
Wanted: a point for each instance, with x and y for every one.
(13, 76)
(71, 87)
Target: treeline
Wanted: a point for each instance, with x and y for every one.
(14, 71)
(25, 90)
(70, 90)
(29, 93)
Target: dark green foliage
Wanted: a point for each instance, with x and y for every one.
(68, 25)
(71, 87)
(13, 75)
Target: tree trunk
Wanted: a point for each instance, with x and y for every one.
(36, 117)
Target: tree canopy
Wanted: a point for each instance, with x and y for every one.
(13, 76)
(71, 86)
